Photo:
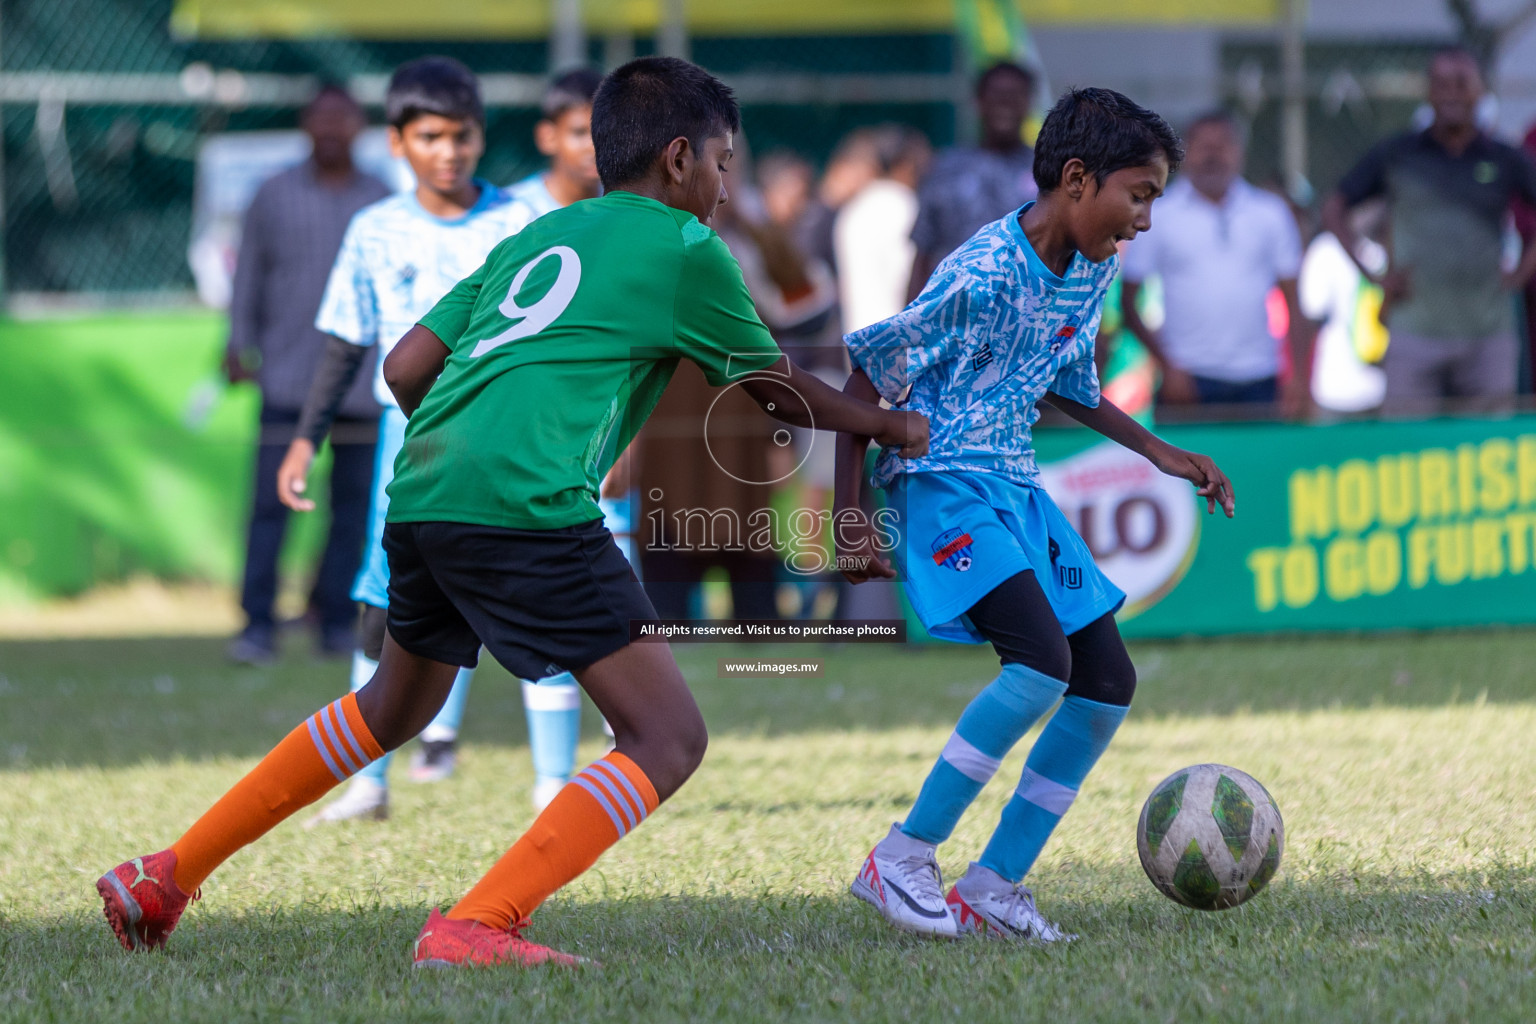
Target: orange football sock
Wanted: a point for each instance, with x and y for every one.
(328, 748)
(600, 806)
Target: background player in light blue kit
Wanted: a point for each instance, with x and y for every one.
(1006, 321)
(399, 257)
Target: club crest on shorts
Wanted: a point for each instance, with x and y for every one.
(952, 550)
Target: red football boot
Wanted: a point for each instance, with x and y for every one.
(142, 901)
(445, 943)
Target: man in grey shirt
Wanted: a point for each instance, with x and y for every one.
(1448, 303)
(292, 232)
(970, 186)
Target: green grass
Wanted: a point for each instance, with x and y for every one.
(1403, 766)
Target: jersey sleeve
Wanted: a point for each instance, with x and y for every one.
(895, 352)
(716, 324)
(1525, 175)
(450, 317)
(349, 309)
(1368, 178)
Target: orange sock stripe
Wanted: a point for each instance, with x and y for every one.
(336, 733)
(602, 805)
(325, 749)
(636, 777)
(357, 729)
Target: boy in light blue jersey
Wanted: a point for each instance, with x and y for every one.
(398, 258)
(1006, 321)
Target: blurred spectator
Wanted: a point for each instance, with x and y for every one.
(1220, 246)
(702, 501)
(854, 164)
(1447, 297)
(872, 236)
(291, 235)
(1525, 223)
(973, 186)
(1346, 306)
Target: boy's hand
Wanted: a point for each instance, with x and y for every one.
(858, 555)
(907, 431)
(1210, 482)
(293, 475)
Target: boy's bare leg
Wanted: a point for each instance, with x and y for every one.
(656, 722)
(404, 695)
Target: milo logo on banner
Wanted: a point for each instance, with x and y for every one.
(1141, 526)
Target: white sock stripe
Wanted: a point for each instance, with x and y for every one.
(1045, 794)
(325, 755)
(346, 730)
(551, 697)
(626, 787)
(597, 794)
(327, 719)
(614, 794)
(968, 761)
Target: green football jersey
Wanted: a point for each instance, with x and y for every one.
(561, 344)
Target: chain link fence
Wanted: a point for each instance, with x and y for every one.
(104, 112)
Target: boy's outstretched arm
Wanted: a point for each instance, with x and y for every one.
(413, 365)
(333, 379)
(788, 393)
(1210, 482)
(858, 556)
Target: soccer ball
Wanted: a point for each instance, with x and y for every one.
(1210, 837)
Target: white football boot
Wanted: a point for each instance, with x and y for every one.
(900, 878)
(986, 904)
(363, 798)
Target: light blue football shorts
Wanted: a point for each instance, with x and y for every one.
(961, 534)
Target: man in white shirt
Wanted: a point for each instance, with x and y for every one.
(1220, 246)
(872, 235)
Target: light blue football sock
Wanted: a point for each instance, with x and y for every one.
(1069, 746)
(989, 727)
(363, 668)
(554, 724)
(446, 725)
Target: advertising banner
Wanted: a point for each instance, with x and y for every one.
(1368, 525)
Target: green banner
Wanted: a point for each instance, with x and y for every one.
(531, 19)
(122, 453)
(1369, 525)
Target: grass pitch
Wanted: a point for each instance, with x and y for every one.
(1403, 766)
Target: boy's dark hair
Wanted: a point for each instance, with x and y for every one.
(1004, 67)
(645, 104)
(433, 85)
(1106, 131)
(574, 88)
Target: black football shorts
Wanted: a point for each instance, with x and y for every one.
(541, 601)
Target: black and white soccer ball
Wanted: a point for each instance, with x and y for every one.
(1210, 837)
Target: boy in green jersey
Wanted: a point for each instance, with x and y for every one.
(522, 386)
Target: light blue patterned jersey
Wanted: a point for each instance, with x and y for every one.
(397, 260)
(992, 332)
(532, 191)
